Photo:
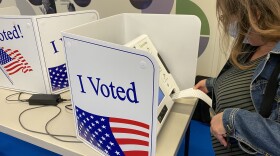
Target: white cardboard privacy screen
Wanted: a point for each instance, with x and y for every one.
(31, 55)
(113, 90)
(102, 70)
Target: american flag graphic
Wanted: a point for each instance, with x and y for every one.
(13, 61)
(114, 136)
(58, 77)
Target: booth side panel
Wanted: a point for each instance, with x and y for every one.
(19, 58)
(49, 37)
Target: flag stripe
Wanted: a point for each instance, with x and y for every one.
(13, 52)
(114, 124)
(132, 141)
(132, 122)
(16, 55)
(7, 50)
(10, 64)
(15, 71)
(13, 67)
(127, 130)
(127, 147)
(27, 70)
(22, 60)
(136, 153)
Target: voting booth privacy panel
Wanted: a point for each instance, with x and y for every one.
(32, 57)
(115, 88)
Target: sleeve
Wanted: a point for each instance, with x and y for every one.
(261, 134)
(210, 82)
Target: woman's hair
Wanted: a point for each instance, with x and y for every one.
(263, 16)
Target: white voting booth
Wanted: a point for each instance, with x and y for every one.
(32, 57)
(115, 86)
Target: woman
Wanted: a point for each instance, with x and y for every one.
(239, 88)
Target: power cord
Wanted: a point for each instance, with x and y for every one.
(19, 94)
(55, 136)
(69, 107)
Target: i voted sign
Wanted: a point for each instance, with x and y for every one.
(110, 90)
(19, 62)
(114, 91)
(15, 33)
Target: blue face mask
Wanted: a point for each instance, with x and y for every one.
(233, 29)
(233, 32)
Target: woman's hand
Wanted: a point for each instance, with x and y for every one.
(201, 85)
(217, 128)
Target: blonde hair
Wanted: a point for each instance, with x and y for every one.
(261, 15)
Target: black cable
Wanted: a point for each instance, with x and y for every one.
(55, 136)
(66, 99)
(19, 94)
(69, 107)
(63, 100)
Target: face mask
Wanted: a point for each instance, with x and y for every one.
(233, 29)
(233, 32)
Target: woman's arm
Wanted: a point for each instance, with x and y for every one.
(251, 128)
